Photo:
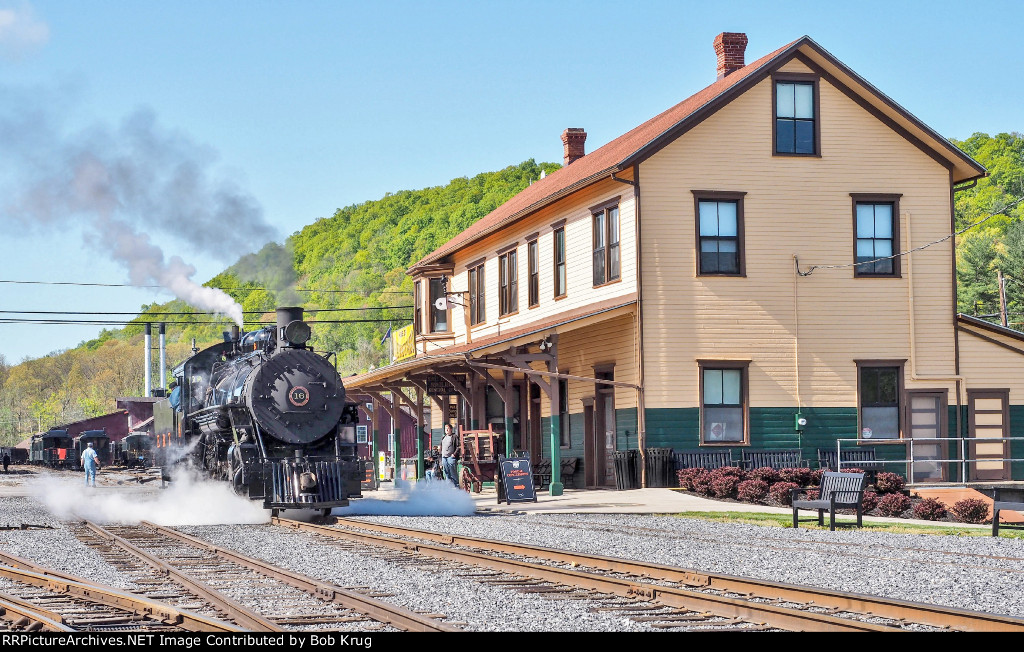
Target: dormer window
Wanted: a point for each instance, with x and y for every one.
(796, 126)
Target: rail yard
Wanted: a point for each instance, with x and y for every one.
(492, 571)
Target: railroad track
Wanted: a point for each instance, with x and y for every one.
(40, 599)
(659, 589)
(196, 569)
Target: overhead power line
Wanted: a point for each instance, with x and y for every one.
(813, 268)
(103, 322)
(234, 289)
(153, 314)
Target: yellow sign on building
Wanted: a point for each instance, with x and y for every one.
(403, 344)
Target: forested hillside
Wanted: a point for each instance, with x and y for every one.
(352, 263)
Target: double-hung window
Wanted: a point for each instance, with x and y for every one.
(508, 283)
(723, 405)
(477, 315)
(879, 385)
(796, 114)
(606, 242)
(438, 318)
(876, 228)
(719, 233)
(560, 286)
(534, 272)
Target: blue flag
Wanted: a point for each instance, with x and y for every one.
(386, 335)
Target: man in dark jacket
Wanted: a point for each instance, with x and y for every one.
(449, 446)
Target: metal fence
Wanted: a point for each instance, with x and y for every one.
(924, 454)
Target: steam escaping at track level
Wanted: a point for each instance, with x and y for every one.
(425, 498)
(186, 501)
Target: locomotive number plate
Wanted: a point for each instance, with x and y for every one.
(298, 396)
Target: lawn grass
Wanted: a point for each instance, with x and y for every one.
(786, 520)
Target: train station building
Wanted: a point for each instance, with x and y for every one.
(767, 265)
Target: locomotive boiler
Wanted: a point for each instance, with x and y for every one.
(266, 413)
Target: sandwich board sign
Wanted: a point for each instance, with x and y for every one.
(516, 480)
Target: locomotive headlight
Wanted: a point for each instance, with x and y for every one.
(297, 333)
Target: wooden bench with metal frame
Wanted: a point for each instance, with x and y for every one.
(837, 491)
(776, 459)
(861, 458)
(542, 471)
(997, 505)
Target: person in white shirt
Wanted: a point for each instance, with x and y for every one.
(90, 461)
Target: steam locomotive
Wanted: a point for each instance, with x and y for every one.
(54, 448)
(267, 414)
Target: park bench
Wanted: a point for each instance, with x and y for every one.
(997, 505)
(837, 491)
(859, 458)
(542, 472)
(776, 459)
(702, 459)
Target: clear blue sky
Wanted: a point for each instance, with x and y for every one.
(313, 105)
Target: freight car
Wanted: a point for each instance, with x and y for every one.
(267, 414)
(134, 451)
(53, 448)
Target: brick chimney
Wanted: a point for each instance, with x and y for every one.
(573, 138)
(730, 48)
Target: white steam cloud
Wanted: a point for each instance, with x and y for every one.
(21, 33)
(425, 498)
(125, 187)
(185, 501)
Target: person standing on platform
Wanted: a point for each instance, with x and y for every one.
(90, 462)
(449, 450)
(7, 461)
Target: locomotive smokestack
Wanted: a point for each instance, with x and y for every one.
(163, 356)
(235, 332)
(292, 332)
(148, 359)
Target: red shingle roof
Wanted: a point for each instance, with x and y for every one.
(599, 163)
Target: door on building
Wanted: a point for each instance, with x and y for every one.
(988, 418)
(534, 435)
(926, 421)
(604, 428)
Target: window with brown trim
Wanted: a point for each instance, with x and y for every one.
(879, 387)
(508, 283)
(719, 233)
(877, 229)
(723, 403)
(417, 310)
(477, 314)
(797, 128)
(533, 253)
(564, 435)
(606, 244)
(438, 318)
(560, 281)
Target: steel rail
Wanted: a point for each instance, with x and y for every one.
(399, 617)
(48, 620)
(754, 612)
(111, 597)
(240, 614)
(917, 612)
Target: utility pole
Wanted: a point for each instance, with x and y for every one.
(1002, 297)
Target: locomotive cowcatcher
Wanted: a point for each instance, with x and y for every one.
(267, 414)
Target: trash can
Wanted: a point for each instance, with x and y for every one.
(659, 466)
(627, 469)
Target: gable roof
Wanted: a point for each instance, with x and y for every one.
(643, 141)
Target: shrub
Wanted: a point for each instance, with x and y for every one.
(893, 504)
(724, 485)
(780, 492)
(851, 469)
(813, 494)
(752, 491)
(686, 477)
(971, 510)
(816, 477)
(765, 474)
(702, 482)
(889, 483)
(801, 476)
(730, 471)
(930, 509)
(869, 502)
